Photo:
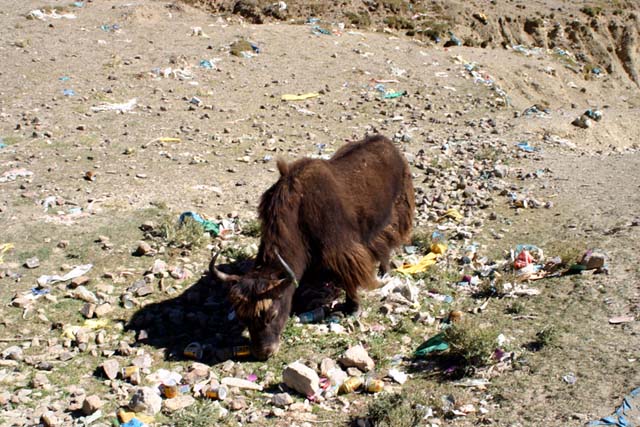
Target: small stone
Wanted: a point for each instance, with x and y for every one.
(14, 353)
(110, 368)
(354, 372)
(179, 402)
(88, 310)
(91, 404)
(357, 357)
(143, 361)
(147, 226)
(326, 365)
(39, 380)
(501, 171)
(159, 267)
(79, 281)
(143, 249)
(146, 400)
(5, 396)
(49, 419)
(103, 309)
(32, 263)
(238, 404)
(301, 378)
(282, 400)
(84, 294)
(63, 244)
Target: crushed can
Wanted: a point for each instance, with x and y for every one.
(351, 384)
(241, 351)
(372, 385)
(170, 389)
(193, 351)
(217, 393)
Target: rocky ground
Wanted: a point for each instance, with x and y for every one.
(116, 117)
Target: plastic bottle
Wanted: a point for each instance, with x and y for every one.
(312, 316)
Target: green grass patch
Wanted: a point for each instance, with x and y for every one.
(473, 342)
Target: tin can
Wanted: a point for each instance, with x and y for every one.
(455, 316)
(241, 351)
(170, 389)
(218, 393)
(373, 385)
(193, 351)
(351, 384)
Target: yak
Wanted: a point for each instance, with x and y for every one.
(338, 218)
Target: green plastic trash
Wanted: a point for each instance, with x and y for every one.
(435, 343)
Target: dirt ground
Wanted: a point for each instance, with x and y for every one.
(204, 133)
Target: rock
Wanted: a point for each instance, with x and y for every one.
(49, 419)
(179, 402)
(238, 404)
(501, 171)
(103, 309)
(143, 361)
(4, 398)
(301, 378)
(32, 263)
(593, 260)
(79, 281)
(14, 353)
(84, 294)
(88, 310)
(91, 404)
(357, 357)
(110, 368)
(354, 372)
(240, 383)
(143, 249)
(146, 400)
(282, 400)
(326, 365)
(39, 380)
(159, 267)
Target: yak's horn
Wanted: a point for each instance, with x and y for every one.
(219, 275)
(287, 269)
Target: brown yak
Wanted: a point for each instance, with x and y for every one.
(335, 217)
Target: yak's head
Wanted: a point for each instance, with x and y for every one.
(262, 301)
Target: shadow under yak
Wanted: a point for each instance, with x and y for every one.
(202, 314)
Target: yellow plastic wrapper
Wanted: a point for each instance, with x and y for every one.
(452, 214)
(125, 417)
(302, 97)
(438, 248)
(5, 247)
(422, 265)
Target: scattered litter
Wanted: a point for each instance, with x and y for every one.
(78, 271)
(453, 214)
(110, 28)
(570, 378)
(391, 95)
(398, 376)
(435, 343)
(525, 146)
(13, 174)
(4, 248)
(68, 92)
(43, 16)
(621, 319)
(422, 265)
(127, 106)
(627, 414)
(208, 226)
(302, 97)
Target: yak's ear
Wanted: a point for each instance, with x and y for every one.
(268, 285)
